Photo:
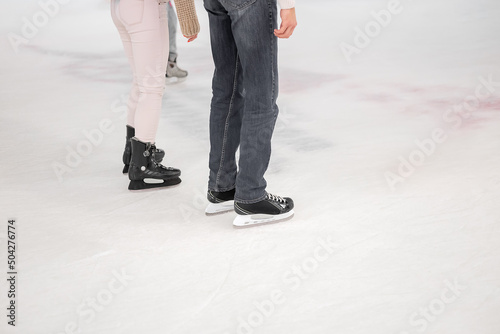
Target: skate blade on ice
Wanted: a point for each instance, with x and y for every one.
(173, 80)
(218, 208)
(153, 183)
(260, 219)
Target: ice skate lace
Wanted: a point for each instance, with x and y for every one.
(152, 151)
(159, 165)
(276, 198)
(156, 163)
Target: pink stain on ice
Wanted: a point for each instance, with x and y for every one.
(294, 81)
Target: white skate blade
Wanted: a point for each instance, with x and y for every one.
(174, 80)
(217, 208)
(150, 184)
(260, 219)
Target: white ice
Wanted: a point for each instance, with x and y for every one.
(422, 256)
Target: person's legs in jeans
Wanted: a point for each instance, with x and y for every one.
(253, 30)
(173, 70)
(245, 55)
(172, 31)
(226, 109)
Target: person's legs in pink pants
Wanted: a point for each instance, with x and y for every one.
(143, 28)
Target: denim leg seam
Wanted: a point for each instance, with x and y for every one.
(222, 189)
(226, 126)
(272, 53)
(209, 194)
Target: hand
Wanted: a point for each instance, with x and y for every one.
(191, 38)
(288, 23)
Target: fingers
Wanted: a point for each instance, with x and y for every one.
(191, 38)
(279, 32)
(284, 32)
(288, 23)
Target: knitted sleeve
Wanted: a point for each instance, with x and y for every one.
(286, 4)
(188, 20)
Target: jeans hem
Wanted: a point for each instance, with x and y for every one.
(252, 201)
(220, 190)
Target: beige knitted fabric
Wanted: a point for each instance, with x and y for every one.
(188, 20)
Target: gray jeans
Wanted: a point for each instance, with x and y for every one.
(172, 31)
(243, 110)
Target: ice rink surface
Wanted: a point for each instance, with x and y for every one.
(389, 148)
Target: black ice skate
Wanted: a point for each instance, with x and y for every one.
(127, 153)
(145, 172)
(271, 209)
(220, 202)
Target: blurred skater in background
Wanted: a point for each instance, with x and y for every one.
(173, 70)
(143, 28)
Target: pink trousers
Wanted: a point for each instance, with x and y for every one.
(143, 28)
